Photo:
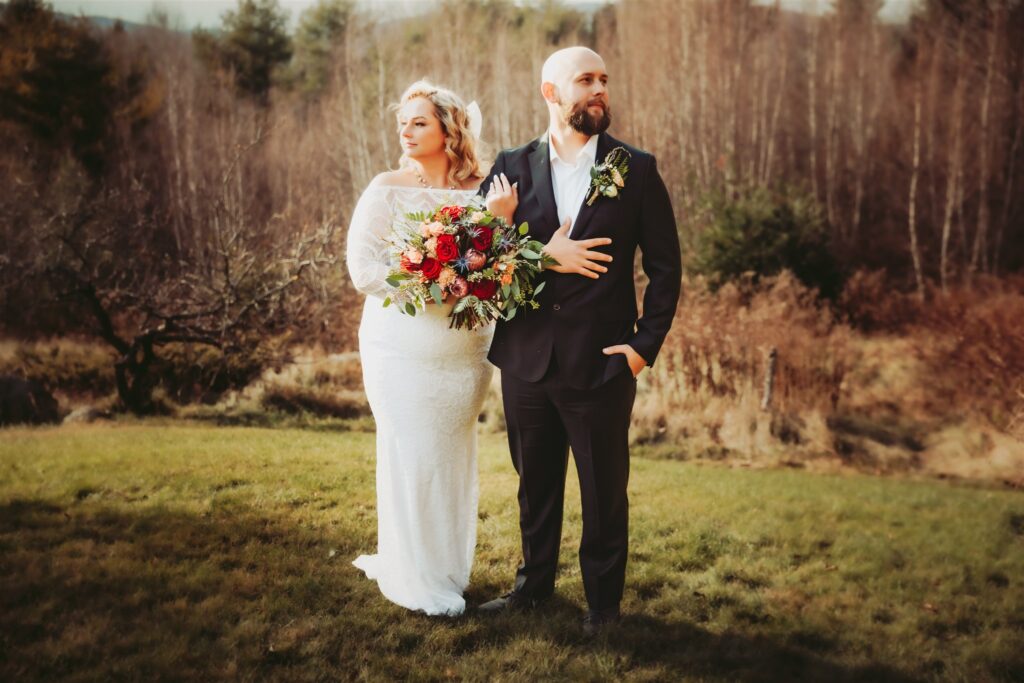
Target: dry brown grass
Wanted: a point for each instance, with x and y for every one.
(883, 384)
(967, 345)
(707, 386)
(314, 382)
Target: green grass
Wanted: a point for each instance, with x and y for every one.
(178, 551)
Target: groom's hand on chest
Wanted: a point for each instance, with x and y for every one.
(577, 256)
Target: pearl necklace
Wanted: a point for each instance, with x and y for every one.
(424, 182)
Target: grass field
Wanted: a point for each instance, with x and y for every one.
(177, 551)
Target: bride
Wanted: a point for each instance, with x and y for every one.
(425, 382)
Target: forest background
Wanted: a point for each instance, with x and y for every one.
(847, 191)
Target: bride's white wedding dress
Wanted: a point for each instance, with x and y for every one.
(425, 384)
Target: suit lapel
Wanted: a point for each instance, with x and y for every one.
(605, 144)
(540, 170)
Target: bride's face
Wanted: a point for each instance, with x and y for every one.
(419, 129)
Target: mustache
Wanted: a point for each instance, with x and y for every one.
(581, 120)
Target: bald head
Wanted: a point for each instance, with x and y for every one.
(562, 65)
(574, 84)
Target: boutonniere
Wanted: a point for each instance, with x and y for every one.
(609, 176)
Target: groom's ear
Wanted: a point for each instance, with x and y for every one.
(549, 91)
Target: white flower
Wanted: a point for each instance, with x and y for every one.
(611, 191)
(476, 216)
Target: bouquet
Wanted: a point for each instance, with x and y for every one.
(465, 254)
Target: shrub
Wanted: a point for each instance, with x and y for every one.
(189, 373)
(711, 370)
(74, 367)
(323, 402)
(764, 232)
(871, 302)
(182, 373)
(973, 340)
(314, 383)
(970, 341)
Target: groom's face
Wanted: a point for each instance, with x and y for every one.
(583, 96)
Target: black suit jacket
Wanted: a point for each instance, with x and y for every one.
(579, 316)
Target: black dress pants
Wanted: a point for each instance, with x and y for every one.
(545, 419)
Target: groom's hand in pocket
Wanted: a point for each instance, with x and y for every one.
(575, 256)
(635, 360)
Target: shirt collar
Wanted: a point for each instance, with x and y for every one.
(588, 151)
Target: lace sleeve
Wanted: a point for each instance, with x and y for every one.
(367, 253)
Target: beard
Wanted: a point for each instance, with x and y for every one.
(582, 121)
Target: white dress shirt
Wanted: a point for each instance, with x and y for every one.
(571, 181)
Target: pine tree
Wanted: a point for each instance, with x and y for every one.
(320, 33)
(252, 45)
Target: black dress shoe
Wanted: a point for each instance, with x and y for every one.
(509, 602)
(597, 622)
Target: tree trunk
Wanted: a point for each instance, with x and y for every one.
(915, 251)
(769, 379)
(955, 164)
(812, 103)
(1008, 194)
(134, 380)
(980, 251)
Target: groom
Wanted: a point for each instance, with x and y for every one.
(568, 369)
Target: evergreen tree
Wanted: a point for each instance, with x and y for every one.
(320, 33)
(252, 45)
(55, 83)
(764, 232)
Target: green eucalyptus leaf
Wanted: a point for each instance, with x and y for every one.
(435, 292)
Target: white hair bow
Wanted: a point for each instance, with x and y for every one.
(476, 119)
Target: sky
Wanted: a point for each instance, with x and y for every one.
(207, 13)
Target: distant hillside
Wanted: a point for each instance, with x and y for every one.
(101, 22)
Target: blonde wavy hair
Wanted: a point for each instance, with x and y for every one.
(459, 143)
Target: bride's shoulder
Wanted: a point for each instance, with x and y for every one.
(399, 178)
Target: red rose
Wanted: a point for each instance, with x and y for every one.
(483, 289)
(451, 212)
(430, 268)
(446, 248)
(482, 242)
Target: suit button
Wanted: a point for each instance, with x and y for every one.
(557, 307)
